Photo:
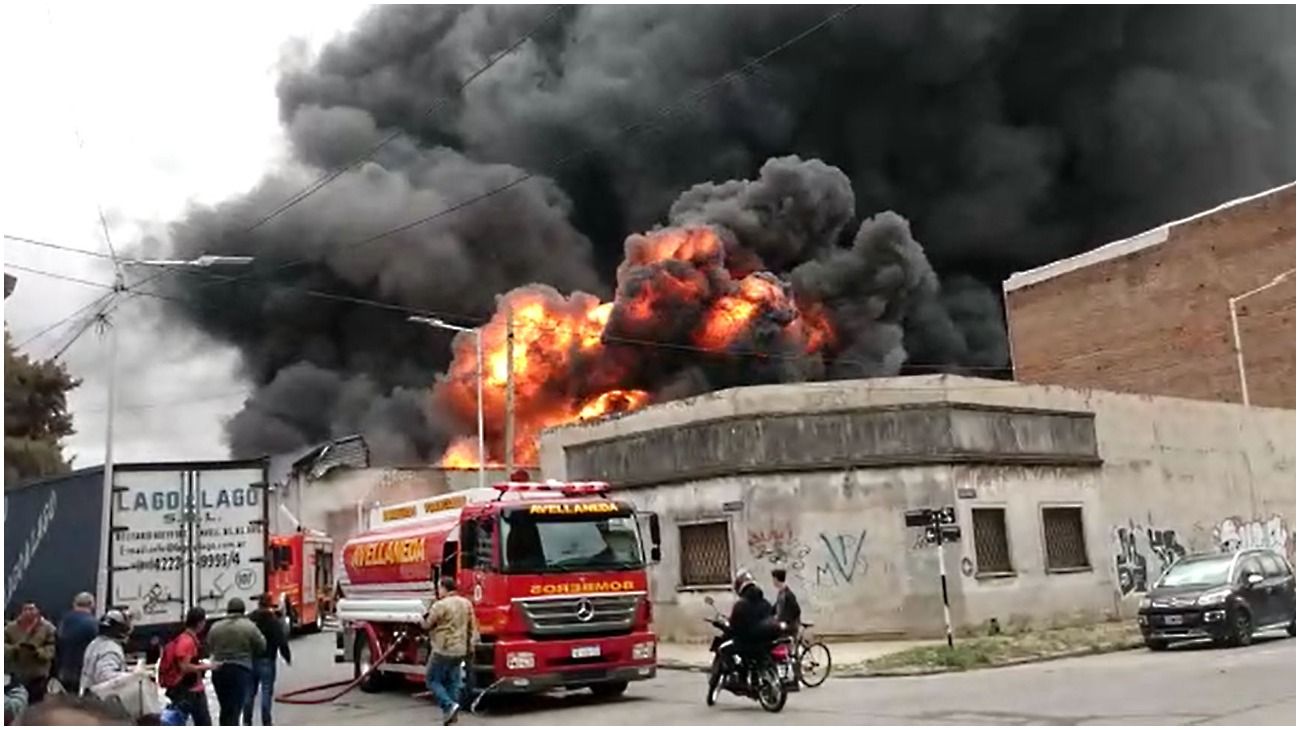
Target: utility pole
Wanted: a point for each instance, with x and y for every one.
(510, 390)
(106, 514)
(940, 527)
(1236, 330)
(478, 375)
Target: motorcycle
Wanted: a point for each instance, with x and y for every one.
(757, 677)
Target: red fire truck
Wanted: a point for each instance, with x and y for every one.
(556, 572)
(300, 577)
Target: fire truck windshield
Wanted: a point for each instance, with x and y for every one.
(538, 541)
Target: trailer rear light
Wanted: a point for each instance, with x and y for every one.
(643, 651)
(520, 660)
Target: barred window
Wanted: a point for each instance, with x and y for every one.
(1063, 538)
(992, 555)
(705, 554)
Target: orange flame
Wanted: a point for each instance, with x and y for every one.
(675, 292)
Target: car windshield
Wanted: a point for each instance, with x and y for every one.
(1197, 572)
(561, 543)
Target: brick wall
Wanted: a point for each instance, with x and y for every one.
(1156, 320)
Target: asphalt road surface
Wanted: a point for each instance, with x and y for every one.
(1193, 685)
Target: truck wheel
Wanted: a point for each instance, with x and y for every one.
(363, 662)
(608, 690)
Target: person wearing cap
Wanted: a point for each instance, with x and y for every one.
(234, 642)
(105, 657)
(76, 630)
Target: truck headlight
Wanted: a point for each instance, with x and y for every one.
(644, 650)
(520, 660)
(1144, 603)
(1214, 598)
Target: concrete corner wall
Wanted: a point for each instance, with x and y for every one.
(816, 477)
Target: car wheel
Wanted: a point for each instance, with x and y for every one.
(1157, 644)
(1242, 629)
(362, 663)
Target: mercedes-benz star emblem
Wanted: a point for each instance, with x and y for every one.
(586, 611)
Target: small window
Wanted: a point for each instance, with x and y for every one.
(992, 554)
(705, 554)
(1063, 539)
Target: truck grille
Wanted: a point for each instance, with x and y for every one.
(581, 615)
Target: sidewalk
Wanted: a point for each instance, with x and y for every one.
(845, 655)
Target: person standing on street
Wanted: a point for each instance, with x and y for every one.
(30, 642)
(180, 671)
(786, 606)
(453, 631)
(77, 629)
(277, 642)
(105, 657)
(234, 642)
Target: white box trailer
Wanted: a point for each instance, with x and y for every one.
(186, 535)
(180, 534)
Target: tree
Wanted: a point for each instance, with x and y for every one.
(36, 416)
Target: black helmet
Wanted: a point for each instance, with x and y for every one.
(743, 578)
(115, 623)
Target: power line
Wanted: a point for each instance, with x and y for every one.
(651, 122)
(61, 321)
(332, 175)
(606, 338)
(99, 316)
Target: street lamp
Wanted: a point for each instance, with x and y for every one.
(119, 286)
(1236, 331)
(478, 375)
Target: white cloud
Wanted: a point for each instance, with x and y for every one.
(172, 104)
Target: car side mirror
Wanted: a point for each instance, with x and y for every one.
(1254, 579)
(655, 554)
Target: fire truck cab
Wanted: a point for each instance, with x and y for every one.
(556, 573)
(300, 578)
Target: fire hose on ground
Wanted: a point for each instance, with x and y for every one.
(344, 686)
(347, 685)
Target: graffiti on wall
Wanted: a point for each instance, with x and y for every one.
(1142, 553)
(1236, 534)
(779, 546)
(845, 560)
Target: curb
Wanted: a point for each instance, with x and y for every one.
(860, 672)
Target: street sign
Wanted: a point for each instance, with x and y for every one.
(940, 527)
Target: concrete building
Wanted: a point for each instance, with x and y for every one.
(1070, 501)
(1150, 314)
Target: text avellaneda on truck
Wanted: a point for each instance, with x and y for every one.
(556, 572)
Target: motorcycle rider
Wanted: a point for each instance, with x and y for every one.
(752, 623)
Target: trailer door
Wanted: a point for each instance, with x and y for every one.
(228, 537)
(186, 537)
(148, 550)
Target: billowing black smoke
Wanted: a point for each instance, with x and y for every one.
(1006, 136)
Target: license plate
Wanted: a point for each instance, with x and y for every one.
(585, 652)
(1173, 620)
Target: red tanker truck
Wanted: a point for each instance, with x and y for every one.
(556, 572)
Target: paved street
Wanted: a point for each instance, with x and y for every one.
(1249, 686)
